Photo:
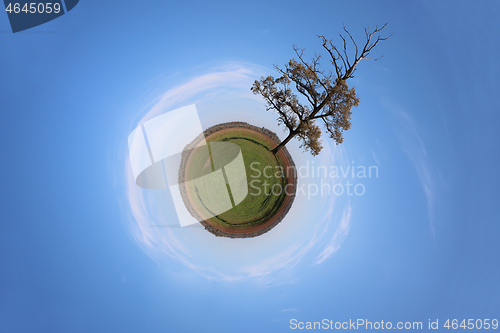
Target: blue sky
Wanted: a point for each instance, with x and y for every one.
(420, 244)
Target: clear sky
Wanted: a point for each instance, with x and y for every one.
(77, 255)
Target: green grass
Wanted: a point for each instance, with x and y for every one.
(255, 208)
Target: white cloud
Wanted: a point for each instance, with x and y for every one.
(413, 145)
(146, 207)
(338, 237)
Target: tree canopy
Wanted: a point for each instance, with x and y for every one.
(307, 92)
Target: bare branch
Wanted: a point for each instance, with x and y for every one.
(352, 40)
(324, 93)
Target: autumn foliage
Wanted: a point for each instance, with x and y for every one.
(307, 95)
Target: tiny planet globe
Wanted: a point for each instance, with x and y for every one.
(228, 203)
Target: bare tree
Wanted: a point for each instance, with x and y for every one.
(324, 93)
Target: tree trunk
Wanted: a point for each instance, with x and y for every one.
(284, 142)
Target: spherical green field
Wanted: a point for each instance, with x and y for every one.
(266, 178)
